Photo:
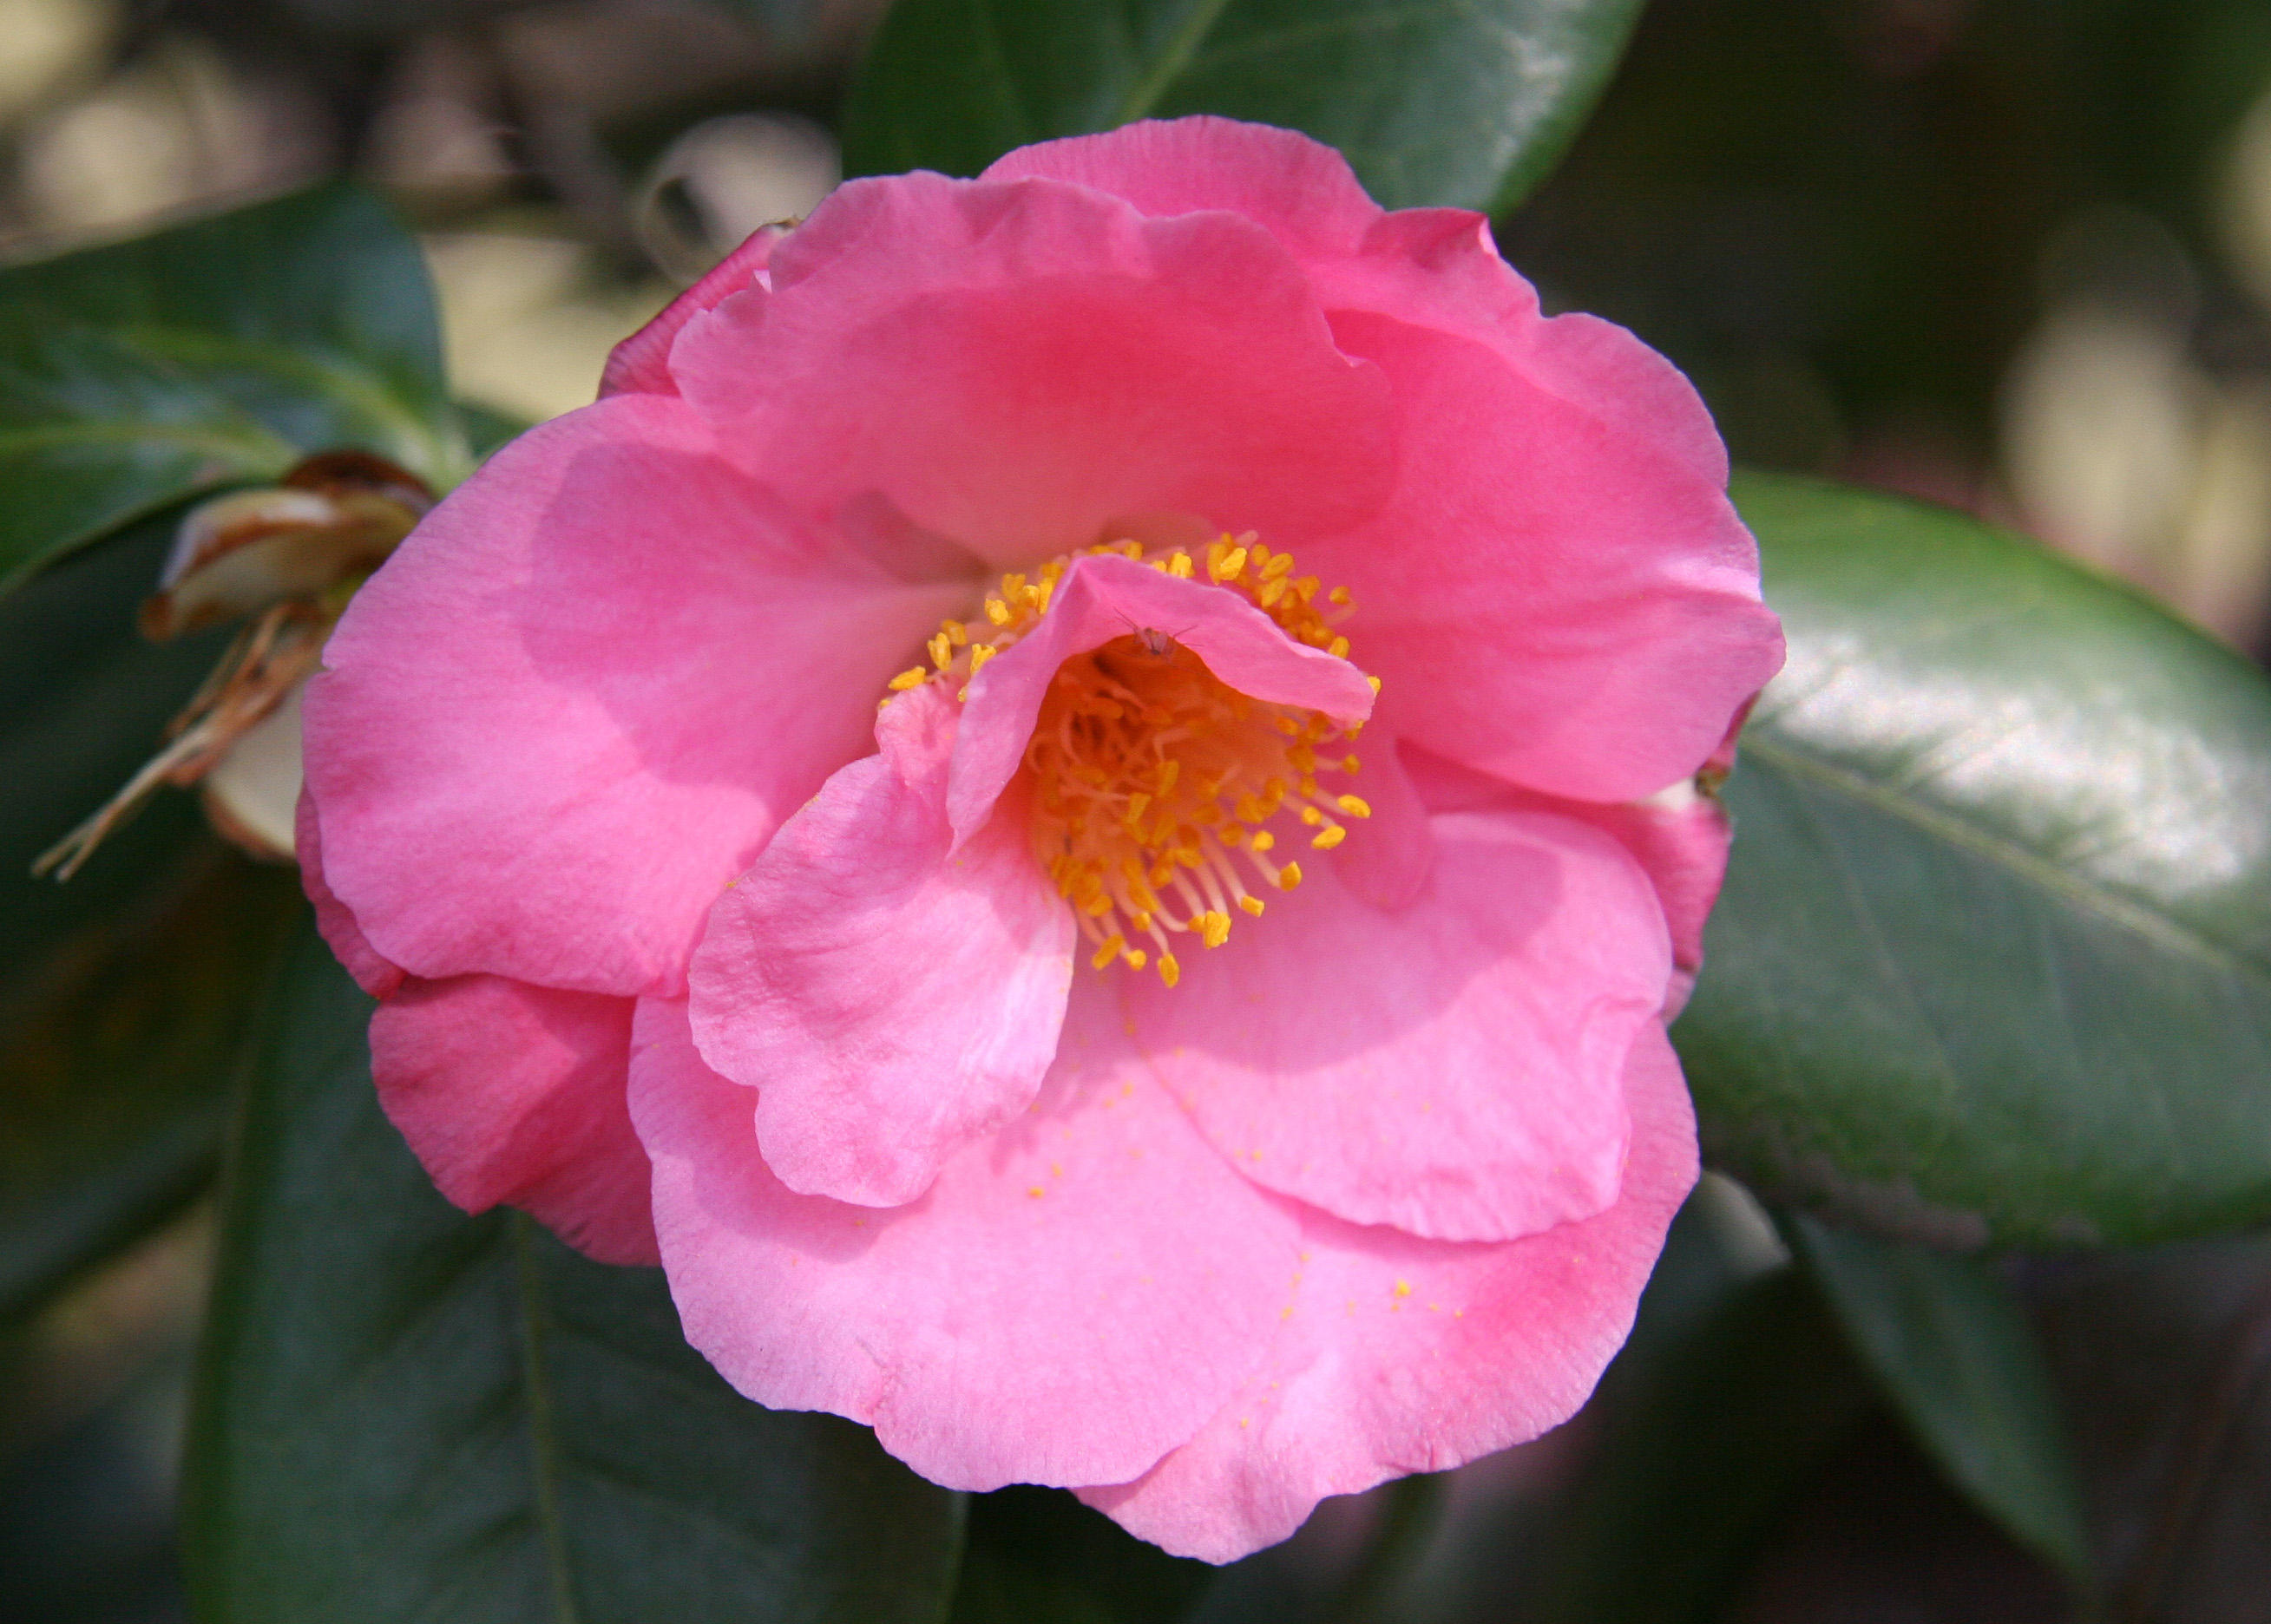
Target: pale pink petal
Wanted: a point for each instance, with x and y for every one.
(1453, 1069)
(641, 363)
(581, 697)
(890, 998)
(1064, 1305)
(1016, 363)
(1301, 191)
(1102, 597)
(1679, 836)
(1397, 1355)
(374, 974)
(1548, 599)
(515, 1093)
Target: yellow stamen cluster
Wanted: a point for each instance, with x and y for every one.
(1154, 782)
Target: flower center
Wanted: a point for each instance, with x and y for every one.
(1154, 782)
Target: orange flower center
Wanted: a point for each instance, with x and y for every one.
(1154, 783)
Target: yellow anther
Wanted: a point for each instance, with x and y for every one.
(957, 634)
(1170, 972)
(1288, 877)
(1272, 591)
(1338, 595)
(1332, 835)
(1137, 958)
(1311, 816)
(1280, 564)
(1214, 927)
(1137, 803)
(1354, 806)
(1374, 681)
(913, 676)
(1170, 770)
(942, 649)
(980, 653)
(1349, 764)
(1232, 563)
(1264, 840)
(1232, 835)
(1179, 565)
(1114, 944)
(1338, 648)
(1252, 905)
(997, 611)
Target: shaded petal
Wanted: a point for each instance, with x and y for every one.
(1399, 1355)
(641, 363)
(890, 998)
(1099, 598)
(516, 1093)
(1387, 861)
(1014, 363)
(375, 973)
(1068, 1300)
(674, 661)
(1454, 1068)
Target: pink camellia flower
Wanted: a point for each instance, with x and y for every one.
(1076, 799)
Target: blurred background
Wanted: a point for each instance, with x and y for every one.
(2012, 256)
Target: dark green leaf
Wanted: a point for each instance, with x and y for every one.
(1467, 104)
(1950, 1344)
(1038, 1556)
(407, 1413)
(1732, 1390)
(123, 994)
(1993, 960)
(2163, 1358)
(218, 353)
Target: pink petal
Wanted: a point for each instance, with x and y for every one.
(1398, 1355)
(1301, 191)
(515, 1093)
(581, 696)
(1103, 598)
(1547, 597)
(890, 996)
(1387, 861)
(641, 363)
(1679, 836)
(374, 974)
(1454, 1068)
(1065, 1304)
(1015, 364)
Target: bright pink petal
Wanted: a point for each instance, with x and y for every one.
(581, 696)
(1102, 597)
(1014, 363)
(1453, 1069)
(1554, 601)
(641, 363)
(1397, 1355)
(374, 974)
(1301, 191)
(1067, 1303)
(1389, 860)
(888, 997)
(516, 1093)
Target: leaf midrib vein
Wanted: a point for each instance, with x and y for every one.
(1969, 835)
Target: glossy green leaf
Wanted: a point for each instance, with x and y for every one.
(124, 994)
(1951, 1344)
(1993, 959)
(217, 352)
(1467, 104)
(407, 1413)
